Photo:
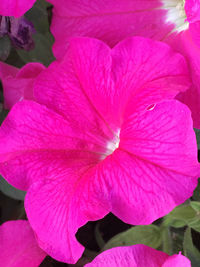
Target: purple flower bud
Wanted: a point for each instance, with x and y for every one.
(19, 30)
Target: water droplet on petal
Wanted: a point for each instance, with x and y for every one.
(151, 107)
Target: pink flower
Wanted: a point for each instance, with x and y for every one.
(18, 84)
(138, 256)
(114, 20)
(15, 8)
(18, 246)
(99, 140)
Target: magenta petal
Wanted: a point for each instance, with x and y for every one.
(177, 261)
(155, 167)
(80, 84)
(138, 256)
(30, 70)
(150, 75)
(54, 158)
(7, 70)
(18, 246)
(18, 84)
(188, 44)
(192, 8)
(96, 79)
(48, 143)
(62, 204)
(114, 20)
(193, 34)
(110, 21)
(15, 8)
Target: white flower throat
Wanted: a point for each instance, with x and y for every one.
(176, 14)
(113, 145)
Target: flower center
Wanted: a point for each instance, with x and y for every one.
(176, 14)
(114, 144)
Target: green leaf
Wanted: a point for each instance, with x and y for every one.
(98, 237)
(174, 222)
(195, 224)
(14, 59)
(38, 16)
(166, 240)
(3, 113)
(180, 216)
(195, 205)
(10, 191)
(42, 52)
(149, 235)
(5, 47)
(190, 250)
(177, 235)
(196, 194)
(197, 132)
(185, 215)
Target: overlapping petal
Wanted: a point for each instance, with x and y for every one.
(192, 8)
(138, 256)
(18, 84)
(18, 246)
(112, 21)
(60, 149)
(108, 20)
(96, 78)
(15, 8)
(192, 52)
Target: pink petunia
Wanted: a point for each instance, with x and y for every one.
(18, 246)
(99, 140)
(138, 256)
(15, 8)
(114, 20)
(18, 84)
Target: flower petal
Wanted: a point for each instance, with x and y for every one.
(79, 83)
(56, 208)
(36, 140)
(92, 78)
(110, 21)
(18, 84)
(149, 70)
(43, 154)
(177, 261)
(155, 167)
(114, 20)
(7, 70)
(18, 246)
(15, 8)
(137, 256)
(192, 8)
(188, 43)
